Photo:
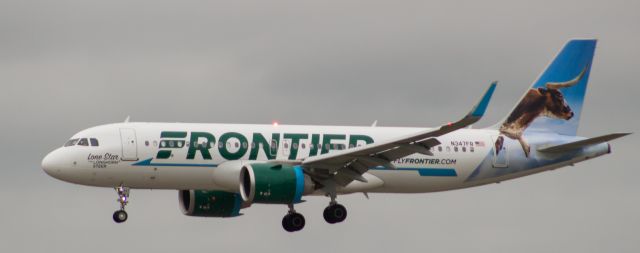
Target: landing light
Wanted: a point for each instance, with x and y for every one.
(275, 123)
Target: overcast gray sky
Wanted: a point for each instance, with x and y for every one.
(70, 65)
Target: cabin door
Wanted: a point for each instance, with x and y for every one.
(129, 144)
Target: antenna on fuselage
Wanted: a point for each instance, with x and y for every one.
(375, 123)
(127, 119)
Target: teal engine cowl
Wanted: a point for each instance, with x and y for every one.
(204, 203)
(274, 183)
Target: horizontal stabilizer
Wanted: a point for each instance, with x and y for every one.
(583, 143)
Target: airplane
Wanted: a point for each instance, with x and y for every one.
(219, 169)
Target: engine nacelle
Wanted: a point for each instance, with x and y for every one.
(210, 203)
(273, 183)
(226, 175)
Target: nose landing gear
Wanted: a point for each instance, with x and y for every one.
(121, 215)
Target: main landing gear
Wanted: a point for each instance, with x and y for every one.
(121, 215)
(334, 213)
(293, 221)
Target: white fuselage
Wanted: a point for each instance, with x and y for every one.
(192, 156)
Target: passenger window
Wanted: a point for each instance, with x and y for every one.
(455, 149)
(94, 142)
(440, 148)
(146, 143)
(464, 149)
(448, 149)
(83, 142)
(471, 149)
(71, 142)
(294, 145)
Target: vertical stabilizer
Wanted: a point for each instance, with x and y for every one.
(554, 101)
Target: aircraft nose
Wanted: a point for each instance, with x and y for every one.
(52, 164)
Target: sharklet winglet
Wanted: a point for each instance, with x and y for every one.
(481, 107)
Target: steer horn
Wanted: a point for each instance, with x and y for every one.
(555, 86)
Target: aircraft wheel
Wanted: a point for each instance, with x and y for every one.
(293, 222)
(335, 213)
(120, 216)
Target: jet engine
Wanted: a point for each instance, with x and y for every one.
(210, 203)
(274, 183)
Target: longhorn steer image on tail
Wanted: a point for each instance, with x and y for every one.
(547, 101)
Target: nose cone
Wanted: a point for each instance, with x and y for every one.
(62, 165)
(52, 164)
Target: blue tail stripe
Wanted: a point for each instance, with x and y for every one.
(426, 172)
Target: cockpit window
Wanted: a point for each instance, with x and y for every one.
(94, 142)
(83, 142)
(71, 142)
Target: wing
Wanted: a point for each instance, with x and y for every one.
(348, 165)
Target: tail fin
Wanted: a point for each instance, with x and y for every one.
(554, 101)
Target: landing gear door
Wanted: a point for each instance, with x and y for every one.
(129, 144)
(500, 152)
